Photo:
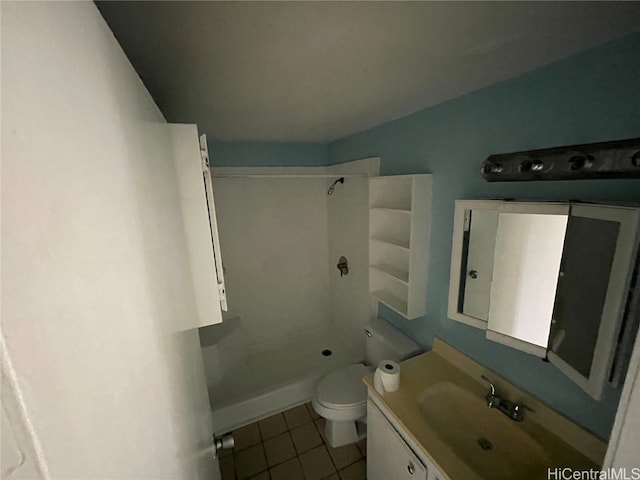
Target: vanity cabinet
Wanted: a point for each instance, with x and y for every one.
(389, 456)
(399, 228)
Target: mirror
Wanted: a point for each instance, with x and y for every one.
(526, 267)
(582, 290)
(549, 279)
(479, 243)
(507, 260)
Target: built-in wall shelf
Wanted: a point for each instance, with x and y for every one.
(399, 228)
(394, 272)
(391, 301)
(398, 211)
(392, 242)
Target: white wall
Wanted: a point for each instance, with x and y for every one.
(351, 304)
(95, 288)
(281, 240)
(273, 235)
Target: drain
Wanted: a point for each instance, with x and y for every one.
(326, 352)
(485, 444)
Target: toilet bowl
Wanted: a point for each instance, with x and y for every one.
(341, 399)
(341, 396)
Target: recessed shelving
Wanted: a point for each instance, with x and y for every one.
(404, 244)
(399, 224)
(394, 272)
(391, 301)
(393, 192)
(400, 211)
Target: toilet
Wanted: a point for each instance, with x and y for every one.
(341, 397)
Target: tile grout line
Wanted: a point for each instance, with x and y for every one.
(327, 447)
(324, 444)
(269, 467)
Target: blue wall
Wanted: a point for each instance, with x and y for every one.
(262, 154)
(590, 97)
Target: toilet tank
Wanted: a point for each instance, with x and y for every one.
(385, 342)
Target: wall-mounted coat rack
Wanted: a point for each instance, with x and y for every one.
(617, 159)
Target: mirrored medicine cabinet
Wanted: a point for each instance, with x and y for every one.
(551, 279)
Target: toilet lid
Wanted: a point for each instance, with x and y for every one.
(343, 388)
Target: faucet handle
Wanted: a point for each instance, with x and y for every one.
(493, 388)
(518, 413)
(518, 407)
(492, 399)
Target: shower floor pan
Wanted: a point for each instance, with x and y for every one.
(274, 379)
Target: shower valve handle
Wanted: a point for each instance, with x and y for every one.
(343, 266)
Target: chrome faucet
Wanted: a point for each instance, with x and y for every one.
(512, 410)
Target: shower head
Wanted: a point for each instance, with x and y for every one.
(333, 185)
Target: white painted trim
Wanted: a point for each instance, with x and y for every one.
(537, 208)
(287, 175)
(419, 244)
(466, 319)
(366, 167)
(456, 258)
(516, 343)
(268, 171)
(369, 167)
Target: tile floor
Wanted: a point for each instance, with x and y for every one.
(291, 446)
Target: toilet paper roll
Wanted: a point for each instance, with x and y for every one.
(387, 377)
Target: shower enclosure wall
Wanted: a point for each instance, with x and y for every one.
(292, 316)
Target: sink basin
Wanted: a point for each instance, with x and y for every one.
(486, 440)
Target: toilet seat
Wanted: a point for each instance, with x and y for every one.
(343, 388)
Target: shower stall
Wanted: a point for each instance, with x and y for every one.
(293, 313)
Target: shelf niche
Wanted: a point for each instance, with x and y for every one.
(399, 231)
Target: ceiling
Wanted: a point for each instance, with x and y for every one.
(319, 71)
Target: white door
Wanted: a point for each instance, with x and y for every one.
(197, 204)
(98, 310)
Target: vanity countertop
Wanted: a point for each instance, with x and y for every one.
(441, 390)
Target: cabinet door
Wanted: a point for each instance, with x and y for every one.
(388, 456)
(600, 249)
(200, 229)
(526, 264)
(213, 223)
